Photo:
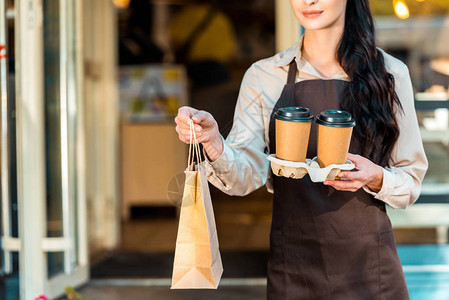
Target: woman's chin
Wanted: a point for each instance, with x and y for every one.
(313, 26)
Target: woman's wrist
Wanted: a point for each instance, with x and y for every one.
(214, 148)
(376, 182)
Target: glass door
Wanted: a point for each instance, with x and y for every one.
(51, 239)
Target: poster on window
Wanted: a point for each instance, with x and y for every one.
(152, 92)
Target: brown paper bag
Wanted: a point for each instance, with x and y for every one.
(197, 263)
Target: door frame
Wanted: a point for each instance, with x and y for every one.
(31, 166)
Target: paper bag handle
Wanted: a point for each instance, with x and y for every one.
(194, 147)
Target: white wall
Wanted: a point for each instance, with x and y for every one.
(101, 114)
(287, 27)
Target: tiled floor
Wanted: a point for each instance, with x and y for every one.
(257, 292)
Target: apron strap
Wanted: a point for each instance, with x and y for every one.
(292, 72)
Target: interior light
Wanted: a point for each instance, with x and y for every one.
(401, 9)
(121, 3)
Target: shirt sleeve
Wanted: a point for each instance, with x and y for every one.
(242, 167)
(403, 179)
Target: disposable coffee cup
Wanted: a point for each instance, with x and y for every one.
(334, 136)
(292, 133)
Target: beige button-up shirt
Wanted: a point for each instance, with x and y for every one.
(243, 167)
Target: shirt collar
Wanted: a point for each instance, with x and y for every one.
(286, 56)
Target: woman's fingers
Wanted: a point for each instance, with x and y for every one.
(196, 119)
(183, 126)
(205, 126)
(186, 131)
(353, 176)
(353, 157)
(356, 159)
(186, 136)
(366, 173)
(185, 113)
(204, 118)
(344, 185)
(199, 117)
(183, 123)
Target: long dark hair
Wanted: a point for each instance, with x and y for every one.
(371, 96)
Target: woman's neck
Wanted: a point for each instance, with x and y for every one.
(319, 48)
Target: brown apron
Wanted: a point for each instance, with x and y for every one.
(324, 243)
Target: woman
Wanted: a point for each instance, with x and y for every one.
(331, 240)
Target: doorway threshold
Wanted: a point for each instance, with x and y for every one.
(167, 282)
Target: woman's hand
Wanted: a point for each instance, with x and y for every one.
(365, 173)
(206, 130)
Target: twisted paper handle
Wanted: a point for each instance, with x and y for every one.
(194, 147)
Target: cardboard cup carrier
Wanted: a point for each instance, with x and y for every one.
(292, 136)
